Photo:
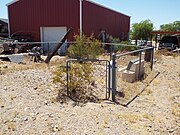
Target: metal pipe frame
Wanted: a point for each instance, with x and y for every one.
(114, 75)
(136, 51)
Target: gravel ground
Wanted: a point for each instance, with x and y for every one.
(28, 106)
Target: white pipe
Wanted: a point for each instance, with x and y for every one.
(81, 29)
(9, 30)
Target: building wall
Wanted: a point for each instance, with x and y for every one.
(30, 15)
(96, 17)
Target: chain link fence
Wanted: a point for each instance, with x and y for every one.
(131, 72)
(125, 74)
(88, 79)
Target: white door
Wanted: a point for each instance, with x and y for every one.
(52, 35)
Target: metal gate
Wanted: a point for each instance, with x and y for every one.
(102, 77)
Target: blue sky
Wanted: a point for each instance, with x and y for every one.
(158, 11)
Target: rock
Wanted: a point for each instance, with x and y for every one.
(55, 128)
(25, 119)
(33, 118)
(35, 88)
(46, 102)
(5, 88)
(170, 130)
(51, 115)
(48, 90)
(72, 114)
(5, 66)
(25, 109)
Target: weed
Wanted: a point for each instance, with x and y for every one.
(147, 116)
(132, 118)
(53, 100)
(11, 126)
(176, 110)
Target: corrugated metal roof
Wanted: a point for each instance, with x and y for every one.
(4, 20)
(12, 2)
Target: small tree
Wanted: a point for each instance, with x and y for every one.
(142, 30)
(85, 48)
(80, 72)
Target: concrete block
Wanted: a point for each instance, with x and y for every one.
(128, 76)
(135, 68)
(132, 74)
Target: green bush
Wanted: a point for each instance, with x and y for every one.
(85, 48)
(116, 48)
(80, 73)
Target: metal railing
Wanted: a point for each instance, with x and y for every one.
(104, 72)
(119, 64)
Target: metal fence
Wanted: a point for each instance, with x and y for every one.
(128, 71)
(104, 78)
(90, 76)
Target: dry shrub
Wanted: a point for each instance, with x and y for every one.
(81, 84)
(164, 52)
(80, 87)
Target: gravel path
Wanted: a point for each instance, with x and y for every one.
(28, 106)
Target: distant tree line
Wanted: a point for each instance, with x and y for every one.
(143, 30)
(175, 26)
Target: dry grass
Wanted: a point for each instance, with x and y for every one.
(130, 117)
(6, 67)
(130, 90)
(165, 52)
(152, 113)
(148, 116)
(148, 91)
(11, 126)
(12, 67)
(176, 110)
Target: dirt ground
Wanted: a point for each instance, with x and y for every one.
(28, 105)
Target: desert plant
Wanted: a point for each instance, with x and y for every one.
(85, 48)
(122, 45)
(79, 71)
(142, 30)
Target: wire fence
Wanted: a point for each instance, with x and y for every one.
(123, 74)
(48, 46)
(129, 73)
(89, 79)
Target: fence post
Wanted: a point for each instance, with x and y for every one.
(67, 76)
(152, 58)
(140, 58)
(113, 77)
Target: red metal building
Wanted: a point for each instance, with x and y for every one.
(43, 18)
